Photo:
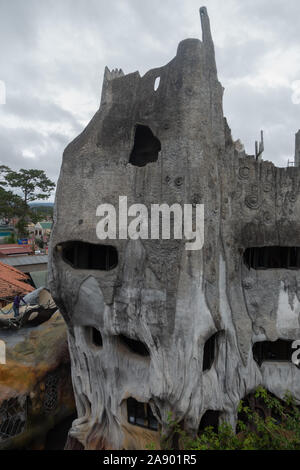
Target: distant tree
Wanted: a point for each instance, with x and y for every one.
(3, 171)
(21, 227)
(40, 243)
(40, 213)
(11, 204)
(34, 184)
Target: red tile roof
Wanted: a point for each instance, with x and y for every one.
(13, 282)
(15, 249)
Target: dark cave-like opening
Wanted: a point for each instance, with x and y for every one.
(272, 257)
(81, 255)
(97, 337)
(279, 350)
(146, 147)
(210, 418)
(209, 352)
(257, 404)
(93, 336)
(135, 346)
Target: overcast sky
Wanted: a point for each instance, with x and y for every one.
(53, 53)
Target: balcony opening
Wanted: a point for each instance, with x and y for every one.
(272, 257)
(140, 414)
(137, 347)
(210, 418)
(280, 350)
(209, 352)
(81, 255)
(146, 147)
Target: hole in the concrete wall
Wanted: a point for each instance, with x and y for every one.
(97, 337)
(209, 351)
(156, 83)
(140, 414)
(82, 255)
(258, 405)
(146, 147)
(135, 346)
(210, 418)
(280, 350)
(93, 336)
(272, 257)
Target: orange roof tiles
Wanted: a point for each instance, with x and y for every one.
(13, 282)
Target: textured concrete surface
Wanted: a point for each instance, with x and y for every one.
(171, 299)
(297, 149)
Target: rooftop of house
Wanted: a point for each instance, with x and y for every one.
(13, 282)
(45, 225)
(25, 260)
(15, 249)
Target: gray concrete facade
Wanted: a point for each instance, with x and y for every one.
(159, 294)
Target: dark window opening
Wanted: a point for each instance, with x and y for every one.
(209, 352)
(140, 414)
(97, 338)
(93, 336)
(135, 346)
(272, 257)
(279, 350)
(259, 406)
(13, 417)
(82, 255)
(210, 418)
(146, 147)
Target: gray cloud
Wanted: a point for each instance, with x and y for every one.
(53, 55)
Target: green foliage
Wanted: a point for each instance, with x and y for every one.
(279, 431)
(21, 227)
(34, 184)
(10, 204)
(3, 171)
(40, 243)
(39, 213)
(11, 238)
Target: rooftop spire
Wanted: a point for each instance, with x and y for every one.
(205, 24)
(297, 149)
(207, 38)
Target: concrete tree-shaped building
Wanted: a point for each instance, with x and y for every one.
(155, 328)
